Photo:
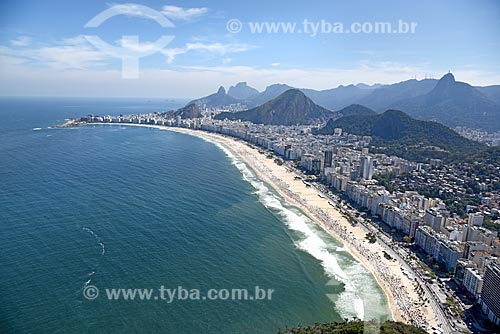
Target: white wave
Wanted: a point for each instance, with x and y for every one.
(342, 249)
(37, 129)
(349, 303)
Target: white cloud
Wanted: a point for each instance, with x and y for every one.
(21, 41)
(63, 74)
(170, 54)
(71, 53)
(220, 48)
(143, 47)
(212, 48)
(70, 57)
(134, 10)
(183, 14)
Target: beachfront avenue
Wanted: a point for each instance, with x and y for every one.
(179, 293)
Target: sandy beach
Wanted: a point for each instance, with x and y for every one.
(401, 291)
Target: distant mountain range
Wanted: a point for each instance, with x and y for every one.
(290, 108)
(242, 91)
(381, 99)
(454, 103)
(216, 100)
(447, 101)
(491, 92)
(396, 133)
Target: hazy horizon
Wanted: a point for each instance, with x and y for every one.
(221, 44)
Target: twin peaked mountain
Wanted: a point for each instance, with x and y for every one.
(446, 101)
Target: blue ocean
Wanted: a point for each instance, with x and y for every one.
(118, 207)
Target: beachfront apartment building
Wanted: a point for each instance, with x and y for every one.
(425, 239)
(473, 281)
(449, 253)
(436, 245)
(490, 296)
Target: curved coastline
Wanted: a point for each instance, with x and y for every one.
(319, 210)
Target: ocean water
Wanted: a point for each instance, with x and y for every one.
(139, 208)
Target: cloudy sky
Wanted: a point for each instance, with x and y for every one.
(46, 46)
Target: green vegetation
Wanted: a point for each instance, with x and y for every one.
(387, 256)
(454, 306)
(428, 270)
(355, 327)
(484, 165)
(396, 133)
(371, 238)
(491, 156)
(387, 180)
(491, 225)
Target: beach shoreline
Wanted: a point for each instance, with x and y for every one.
(296, 193)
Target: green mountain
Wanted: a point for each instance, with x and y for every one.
(396, 133)
(454, 103)
(190, 111)
(290, 108)
(356, 109)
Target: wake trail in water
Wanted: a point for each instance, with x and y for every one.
(97, 238)
(89, 276)
(103, 251)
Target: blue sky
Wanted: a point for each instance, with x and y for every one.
(43, 49)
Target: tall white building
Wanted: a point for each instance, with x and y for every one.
(366, 167)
